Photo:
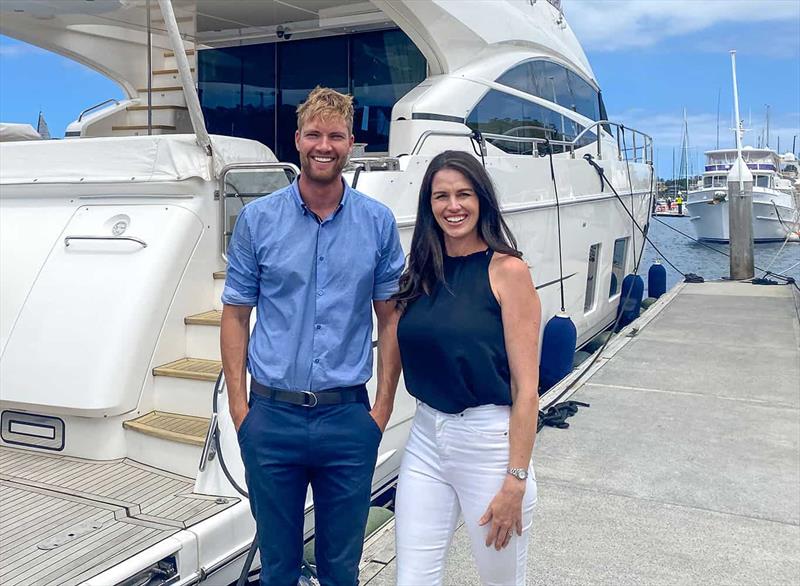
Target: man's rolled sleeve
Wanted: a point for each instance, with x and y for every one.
(391, 262)
(242, 277)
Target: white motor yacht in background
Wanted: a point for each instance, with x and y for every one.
(776, 208)
(114, 425)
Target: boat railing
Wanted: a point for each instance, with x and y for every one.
(632, 145)
(227, 190)
(96, 106)
(456, 133)
(531, 140)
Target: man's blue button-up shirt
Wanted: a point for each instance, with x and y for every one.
(312, 283)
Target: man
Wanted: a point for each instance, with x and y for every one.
(311, 257)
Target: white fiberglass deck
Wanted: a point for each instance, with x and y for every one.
(64, 520)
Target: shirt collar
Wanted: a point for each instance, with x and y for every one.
(295, 189)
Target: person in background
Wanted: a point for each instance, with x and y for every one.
(468, 336)
(312, 257)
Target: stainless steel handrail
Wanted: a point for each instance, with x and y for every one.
(127, 238)
(428, 133)
(223, 196)
(647, 147)
(103, 103)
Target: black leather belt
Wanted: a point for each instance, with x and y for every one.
(335, 396)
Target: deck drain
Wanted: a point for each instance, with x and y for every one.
(71, 534)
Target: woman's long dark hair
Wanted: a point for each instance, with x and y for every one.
(425, 260)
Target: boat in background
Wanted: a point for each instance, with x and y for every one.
(776, 207)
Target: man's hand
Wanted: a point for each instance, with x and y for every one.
(381, 417)
(238, 416)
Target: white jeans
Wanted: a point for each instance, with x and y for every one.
(456, 464)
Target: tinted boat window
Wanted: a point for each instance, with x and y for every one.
(302, 66)
(240, 88)
(257, 118)
(499, 113)
(384, 67)
(553, 82)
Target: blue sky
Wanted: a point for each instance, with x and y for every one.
(652, 58)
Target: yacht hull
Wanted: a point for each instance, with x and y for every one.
(773, 216)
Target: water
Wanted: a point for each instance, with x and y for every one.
(691, 257)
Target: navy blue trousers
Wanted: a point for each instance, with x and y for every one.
(284, 449)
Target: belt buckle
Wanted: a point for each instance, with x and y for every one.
(313, 396)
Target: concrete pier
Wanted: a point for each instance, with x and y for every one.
(686, 467)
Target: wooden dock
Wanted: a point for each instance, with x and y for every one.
(686, 467)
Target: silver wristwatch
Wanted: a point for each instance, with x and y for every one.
(520, 473)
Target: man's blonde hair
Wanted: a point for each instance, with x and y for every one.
(325, 103)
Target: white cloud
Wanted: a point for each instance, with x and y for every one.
(17, 49)
(610, 25)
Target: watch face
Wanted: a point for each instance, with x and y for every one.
(519, 473)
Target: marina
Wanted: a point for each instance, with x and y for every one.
(685, 467)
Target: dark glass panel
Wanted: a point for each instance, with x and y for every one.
(236, 87)
(499, 113)
(258, 94)
(303, 65)
(220, 89)
(584, 97)
(552, 83)
(555, 83)
(384, 67)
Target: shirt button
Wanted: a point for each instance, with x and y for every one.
(316, 361)
(321, 258)
(320, 292)
(319, 327)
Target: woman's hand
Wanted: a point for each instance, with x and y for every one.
(504, 513)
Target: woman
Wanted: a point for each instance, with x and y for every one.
(468, 335)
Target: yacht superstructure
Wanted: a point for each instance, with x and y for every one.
(113, 242)
(776, 203)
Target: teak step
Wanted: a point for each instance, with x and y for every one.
(191, 368)
(172, 53)
(185, 429)
(219, 275)
(174, 88)
(144, 127)
(169, 71)
(168, 107)
(207, 318)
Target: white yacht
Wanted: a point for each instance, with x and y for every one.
(113, 420)
(776, 203)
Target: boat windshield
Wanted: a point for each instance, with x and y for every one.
(715, 181)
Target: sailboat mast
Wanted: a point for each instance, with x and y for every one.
(686, 147)
(674, 184)
(719, 95)
(739, 129)
(767, 126)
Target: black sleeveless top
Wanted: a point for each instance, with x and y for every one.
(451, 342)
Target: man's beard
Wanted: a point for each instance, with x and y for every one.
(330, 176)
